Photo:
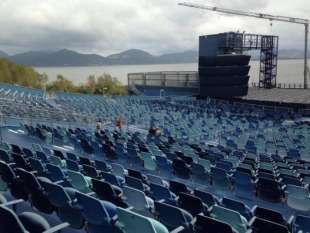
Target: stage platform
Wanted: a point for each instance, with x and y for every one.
(278, 95)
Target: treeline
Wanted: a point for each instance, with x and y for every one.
(25, 76)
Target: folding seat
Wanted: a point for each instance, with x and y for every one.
(156, 180)
(238, 206)
(55, 173)
(259, 225)
(136, 183)
(118, 169)
(72, 156)
(64, 200)
(177, 187)
(57, 161)
(38, 166)
(21, 162)
(199, 174)
(42, 156)
(85, 161)
(136, 174)
(173, 217)
(5, 156)
(298, 198)
(35, 191)
(301, 224)
(27, 152)
(91, 171)
(269, 190)
(108, 192)
(269, 215)
(233, 218)
(130, 222)
(113, 179)
(162, 193)
(149, 163)
(15, 184)
(206, 198)
(141, 203)
(225, 165)
(16, 149)
(73, 165)
(163, 164)
(192, 204)
(86, 146)
(78, 181)
(243, 185)
(26, 222)
(205, 224)
(102, 166)
(291, 180)
(220, 179)
(187, 159)
(98, 214)
(181, 169)
(59, 154)
(205, 163)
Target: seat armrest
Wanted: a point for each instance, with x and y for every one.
(57, 228)
(59, 181)
(290, 220)
(91, 193)
(14, 202)
(178, 229)
(253, 208)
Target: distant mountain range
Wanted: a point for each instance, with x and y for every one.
(67, 57)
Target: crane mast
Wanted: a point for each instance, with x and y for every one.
(286, 19)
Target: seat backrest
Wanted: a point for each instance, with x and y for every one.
(72, 165)
(172, 216)
(111, 178)
(77, 180)
(269, 215)
(132, 222)
(56, 194)
(95, 211)
(259, 225)
(59, 154)
(10, 222)
(177, 187)
(55, 172)
(190, 203)
(118, 169)
(6, 172)
(301, 223)
(72, 156)
(4, 156)
(230, 217)
(134, 183)
(103, 189)
(135, 174)
(214, 226)
(159, 192)
(90, 171)
(155, 179)
(206, 197)
(85, 161)
(30, 181)
(135, 198)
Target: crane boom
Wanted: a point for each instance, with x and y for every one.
(304, 22)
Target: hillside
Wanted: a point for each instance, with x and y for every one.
(67, 57)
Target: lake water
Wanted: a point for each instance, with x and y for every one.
(289, 71)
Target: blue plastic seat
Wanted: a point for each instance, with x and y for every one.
(159, 192)
(238, 206)
(173, 217)
(301, 224)
(98, 214)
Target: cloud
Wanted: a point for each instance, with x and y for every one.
(158, 26)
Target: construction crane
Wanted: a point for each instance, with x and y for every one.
(304, 22)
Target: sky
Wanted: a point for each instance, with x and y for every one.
(157, 26)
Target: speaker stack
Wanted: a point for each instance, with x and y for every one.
(224, 75)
